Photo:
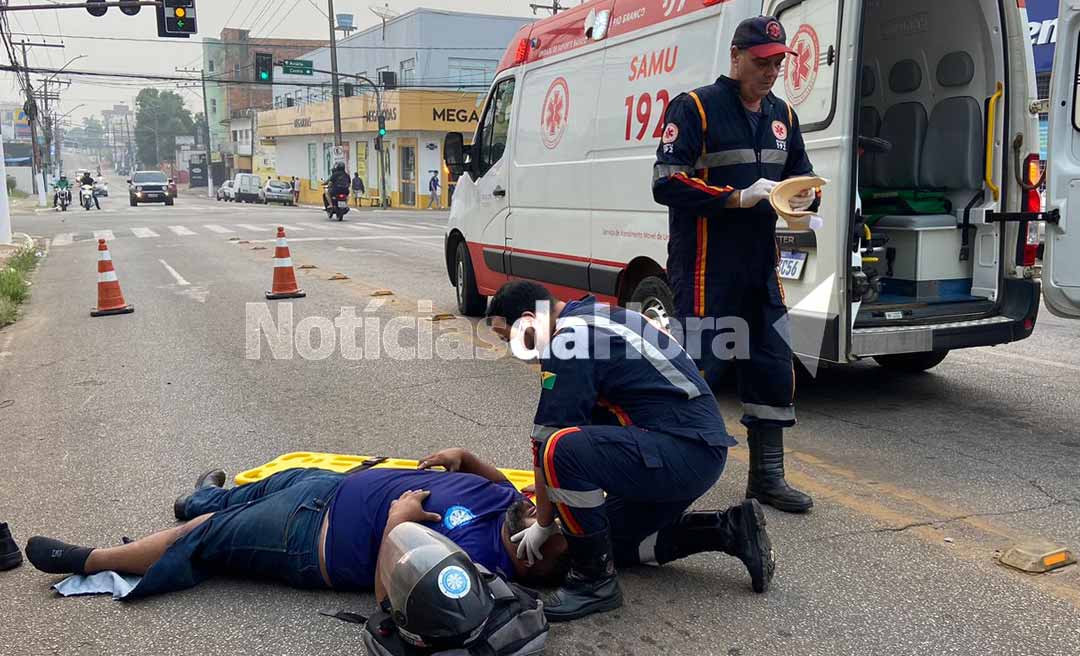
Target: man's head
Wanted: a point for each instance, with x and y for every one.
(556, 559)
(758, 50)
(525, 301)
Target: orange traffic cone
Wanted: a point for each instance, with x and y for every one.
(110, 298)
(284, 277)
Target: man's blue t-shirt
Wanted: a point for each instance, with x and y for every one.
(472, 510)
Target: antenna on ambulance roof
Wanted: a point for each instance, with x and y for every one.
(554, 7)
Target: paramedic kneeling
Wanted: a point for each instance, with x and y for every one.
(724, 148)
(313, 528)
(626, 437)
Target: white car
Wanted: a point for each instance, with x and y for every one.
(101, 187)
(225, 191)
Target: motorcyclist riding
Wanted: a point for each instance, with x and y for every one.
(338, 183)
(62, 186)
(88, 179)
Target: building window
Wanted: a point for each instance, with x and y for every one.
(408, 72)
(234, 136)
(236, 72)
(277, 102)
(471, 71)
(213, 105)
(211, 66)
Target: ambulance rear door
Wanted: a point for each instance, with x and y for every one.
(1061, 259)
(820, 84)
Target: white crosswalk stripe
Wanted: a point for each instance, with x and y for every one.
(107, 235)
(316, 226)
(63, 239)
(440, 226)
(144, 233)
(357, 226)
(218, 229)
(181, 231)
(387, 226)
(256, 228)
(290, 228)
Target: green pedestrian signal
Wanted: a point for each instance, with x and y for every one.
(382, 125)
(264, 67)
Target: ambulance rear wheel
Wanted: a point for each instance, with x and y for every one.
(912, 363)
(469, 300)
(655, 300)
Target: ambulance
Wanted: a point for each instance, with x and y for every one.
(922, 115)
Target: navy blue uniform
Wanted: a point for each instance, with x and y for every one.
(722, 262)
(623, 411)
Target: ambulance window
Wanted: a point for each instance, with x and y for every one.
(809, 77)
(495, 129)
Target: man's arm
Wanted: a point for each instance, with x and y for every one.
(798, 162)
(675, 181)
(460, 460)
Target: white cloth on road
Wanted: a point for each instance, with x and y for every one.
(118, 585)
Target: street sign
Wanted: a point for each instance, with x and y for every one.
(297, 67)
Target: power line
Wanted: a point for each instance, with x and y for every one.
(235, 7)
(296, 3)
(254, 4)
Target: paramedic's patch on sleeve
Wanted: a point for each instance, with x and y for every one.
(671, 133)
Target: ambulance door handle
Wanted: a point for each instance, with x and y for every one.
(499, 191)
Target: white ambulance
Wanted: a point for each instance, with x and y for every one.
(920, 113)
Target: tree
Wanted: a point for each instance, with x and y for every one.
(160, 116)
(93, 133)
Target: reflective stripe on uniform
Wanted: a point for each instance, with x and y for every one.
(551, 477)
(281, 262)
(542, 433)
(661, 171)
(775, 413)
(107, 276)
(577, 498)
(774, 157)
(647, 550)
(647, 350)
(727, 158)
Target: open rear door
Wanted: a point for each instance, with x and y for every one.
(1061, 260)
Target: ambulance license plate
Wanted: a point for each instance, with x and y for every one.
(792, 264)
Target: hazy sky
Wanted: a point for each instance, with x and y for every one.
(162, 56)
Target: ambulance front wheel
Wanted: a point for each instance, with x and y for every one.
(912, 363)
(653, 298)
(469, 300)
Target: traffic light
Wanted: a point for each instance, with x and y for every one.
(176, 19)
(264, 67)
(382, 126)
(378, 143)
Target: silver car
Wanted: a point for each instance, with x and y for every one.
(276, 191)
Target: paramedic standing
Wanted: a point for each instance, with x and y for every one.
(724, 147)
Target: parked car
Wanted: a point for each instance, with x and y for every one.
(225, 191)
(149, 187)
(276, 191)
(246, 188)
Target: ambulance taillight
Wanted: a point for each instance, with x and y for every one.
(1032, 203)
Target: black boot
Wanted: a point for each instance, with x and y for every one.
(738, 531)
(590, 586)
(212, 478)
(766, 482)
(10, 556)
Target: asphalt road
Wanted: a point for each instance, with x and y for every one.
(918, 480)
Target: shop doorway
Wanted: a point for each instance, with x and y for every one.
(408, 172)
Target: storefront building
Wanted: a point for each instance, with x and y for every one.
(299, 141)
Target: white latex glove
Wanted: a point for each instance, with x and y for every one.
(804, 200)
(532, 540)
(756, 192)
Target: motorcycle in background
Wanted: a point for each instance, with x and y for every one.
(336, 204)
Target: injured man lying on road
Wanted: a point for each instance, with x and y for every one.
(313, 528)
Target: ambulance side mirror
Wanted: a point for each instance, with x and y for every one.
(454, 153)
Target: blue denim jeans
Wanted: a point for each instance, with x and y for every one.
(267, 530)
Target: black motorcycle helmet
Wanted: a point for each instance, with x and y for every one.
(436, 596)
(339, 166)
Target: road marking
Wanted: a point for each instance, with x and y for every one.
(107, 235)
(181, 231)
(1024, 358)
(316, 226)
(64, 239)
(218, 229)
(388, 226)
(363, 238)
(143, 233)
(357, 226)
(179, 279)
(256, 228)
(291, 228)
(440, 226)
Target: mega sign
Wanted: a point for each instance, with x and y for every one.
(452, 115)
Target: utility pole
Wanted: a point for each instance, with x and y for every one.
(39, 185)
(334, 75)
(206, 121)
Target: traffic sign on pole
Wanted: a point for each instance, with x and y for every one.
(297, 67)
